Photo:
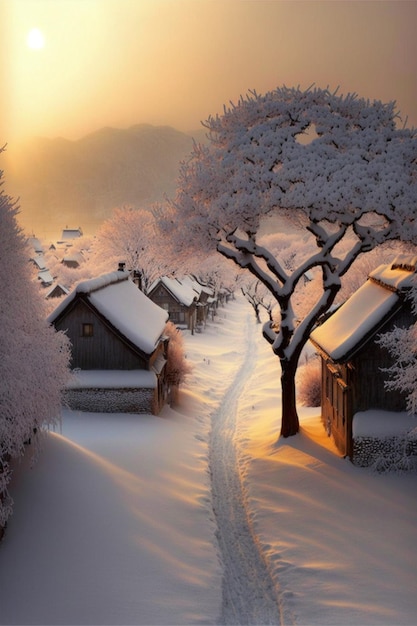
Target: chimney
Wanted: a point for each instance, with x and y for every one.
(137, 279)
(121, 267)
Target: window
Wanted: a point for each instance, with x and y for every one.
(88, 330)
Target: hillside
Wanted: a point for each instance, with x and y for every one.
(78, 183)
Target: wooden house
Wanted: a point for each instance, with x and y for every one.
(352, 359)
(205, 299)
(117, 346)
(178, 298)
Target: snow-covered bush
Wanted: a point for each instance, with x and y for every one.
(177, 365)
(309, 383)
(34, 358)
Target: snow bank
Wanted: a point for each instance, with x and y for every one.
(114, 523)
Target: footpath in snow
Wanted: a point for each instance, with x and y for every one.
(249, 593)
(116, 523)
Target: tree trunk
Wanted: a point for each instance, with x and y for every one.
(290, 424)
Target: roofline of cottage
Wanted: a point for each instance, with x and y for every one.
(349, 354)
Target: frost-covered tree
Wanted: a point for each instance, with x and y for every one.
(401, 343)
(129, 236)
(337, 166)
(69, 276)
(258, 297)
(34, 358)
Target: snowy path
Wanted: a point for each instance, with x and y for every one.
(249, 594)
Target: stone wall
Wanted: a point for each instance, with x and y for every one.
(111, 400)
(397, 453)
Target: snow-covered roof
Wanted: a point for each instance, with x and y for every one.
(39, 261)
(191, 282)
(45, 277)
(398, 275)
(361, 316)
(71, 233)
(74, 257)
(181, 291)
(127, 308)
(58, 287)
(35, 244)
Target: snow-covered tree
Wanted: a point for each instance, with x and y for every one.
(34, 358)
(258, 297)
(338, 166)
(401, 343)
(129, 236)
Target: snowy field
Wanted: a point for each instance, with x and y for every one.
(115, 524)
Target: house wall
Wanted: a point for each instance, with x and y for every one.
(104, 350)
(358, 385)
(368, 390)
(335, 405)
(367, 382)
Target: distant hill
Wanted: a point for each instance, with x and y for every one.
(78, 183)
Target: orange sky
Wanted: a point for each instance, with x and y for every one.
(175, 62)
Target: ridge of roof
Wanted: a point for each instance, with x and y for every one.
(94, 284)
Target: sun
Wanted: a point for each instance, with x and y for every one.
(35, 39)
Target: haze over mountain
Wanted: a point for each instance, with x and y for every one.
(63, 183)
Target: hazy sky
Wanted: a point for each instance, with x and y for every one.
(175, 62)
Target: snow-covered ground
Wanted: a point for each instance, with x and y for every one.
(115, 523)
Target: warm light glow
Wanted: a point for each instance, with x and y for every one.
(35, 39)
(76, 66)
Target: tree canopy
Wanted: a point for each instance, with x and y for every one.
(340, 167)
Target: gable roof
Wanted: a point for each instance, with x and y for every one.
(363, 315)
(182, 292)
(57, 291)
(127, 308)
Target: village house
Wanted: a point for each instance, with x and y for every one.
(353, 361)
(206, 302)
(178, 298)
(118, 347)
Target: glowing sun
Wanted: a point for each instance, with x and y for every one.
(35, 39)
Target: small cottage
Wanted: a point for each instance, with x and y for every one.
(352, 359)
(205, 299)
(178, 299)
(117, 344)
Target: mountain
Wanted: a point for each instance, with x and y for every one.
(63, 183)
